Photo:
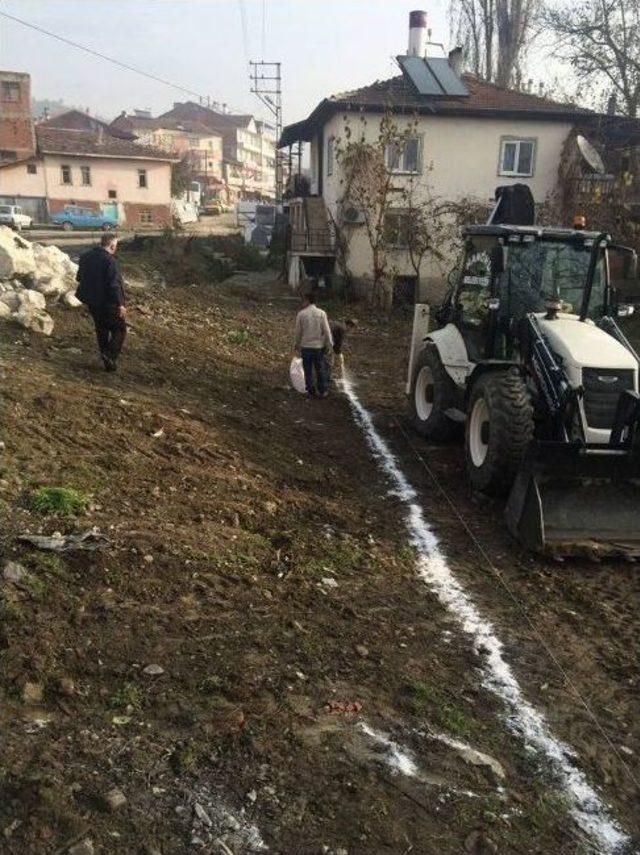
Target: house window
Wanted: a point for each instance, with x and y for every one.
(405, 157)
(142, 178)
(396, 228)
(330, 144)
(66, 174)
(10, 91)
(31, 169)
(8, 154)
(516, 156)
(113, 194)
(85, 171)
(146, 216)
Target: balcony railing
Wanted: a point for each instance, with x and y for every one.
(312, 241)
(625, 188)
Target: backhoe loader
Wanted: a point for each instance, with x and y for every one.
(528, 356)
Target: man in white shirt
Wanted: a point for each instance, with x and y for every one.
(312, 337)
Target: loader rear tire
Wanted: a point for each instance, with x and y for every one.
(499, 430)
(433, 392)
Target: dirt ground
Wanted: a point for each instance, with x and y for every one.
(306, 675)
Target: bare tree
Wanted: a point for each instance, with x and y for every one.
(601, 40)
(402, 219)
(495, 35)
(368, 187)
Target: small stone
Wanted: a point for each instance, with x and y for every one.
(32, 693)
(202, 815)
(85, 847)
(66, 686)
(626, 750)
(252, 796)
(361, 650)
(270, 507)
(148, 559)
(13, 572)
(153, 670)
(115, 799)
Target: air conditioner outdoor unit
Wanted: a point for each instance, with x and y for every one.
(351, 215)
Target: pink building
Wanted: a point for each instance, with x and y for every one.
(94, 169)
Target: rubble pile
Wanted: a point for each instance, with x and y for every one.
(30, 276)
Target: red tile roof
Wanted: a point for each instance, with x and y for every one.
(398, 92)
(485, 100)
(92, 143)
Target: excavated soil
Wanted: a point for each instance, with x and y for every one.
(256, 556)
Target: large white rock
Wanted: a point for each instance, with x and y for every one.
(5, 311)
(51, 287)
(33, 319)
(52, 263)
(10, 299)
(31, 299)
(16, 255)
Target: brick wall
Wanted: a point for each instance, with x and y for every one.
(139, 215)
(17, 139)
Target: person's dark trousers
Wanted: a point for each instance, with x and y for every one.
(111, 330)
(313, 360)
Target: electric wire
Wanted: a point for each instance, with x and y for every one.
(111, 59)
(101, 55)
(499, 576)
(245, 32)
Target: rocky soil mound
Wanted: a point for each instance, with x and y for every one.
(32, 276)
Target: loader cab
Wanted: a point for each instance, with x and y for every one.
(509, 271)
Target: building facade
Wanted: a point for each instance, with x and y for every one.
(17, 139)
(193, 141)
(248, 149)
(93, 170)
(461, 140)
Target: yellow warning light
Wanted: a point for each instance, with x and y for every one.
(579, 222)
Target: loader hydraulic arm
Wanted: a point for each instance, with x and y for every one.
(559, 396)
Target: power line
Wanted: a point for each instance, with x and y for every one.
(264, 27)
(201, 98)
(245, 34)
(102, 56)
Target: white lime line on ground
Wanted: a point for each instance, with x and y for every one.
(589, 811)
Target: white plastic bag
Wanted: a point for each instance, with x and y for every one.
(296, 375)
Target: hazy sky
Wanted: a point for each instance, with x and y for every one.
(325, 46)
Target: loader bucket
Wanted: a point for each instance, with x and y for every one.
(565, 501)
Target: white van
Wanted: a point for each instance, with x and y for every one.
(12, 216)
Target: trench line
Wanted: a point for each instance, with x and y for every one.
(590, 813)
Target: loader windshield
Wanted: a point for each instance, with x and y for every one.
(543, 270)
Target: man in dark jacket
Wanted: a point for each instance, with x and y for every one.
(101, 289)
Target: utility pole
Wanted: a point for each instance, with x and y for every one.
(266, 83)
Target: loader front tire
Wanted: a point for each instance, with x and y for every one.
(498, 431)
(433, 392)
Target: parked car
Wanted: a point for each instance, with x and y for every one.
(75, 217)
(11, 215)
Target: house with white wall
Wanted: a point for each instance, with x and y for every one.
(248, 148)
(91, 169)
(181, 138)
(467, 137)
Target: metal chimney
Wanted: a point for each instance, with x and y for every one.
(417, 34)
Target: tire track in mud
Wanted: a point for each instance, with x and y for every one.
(590, 813)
